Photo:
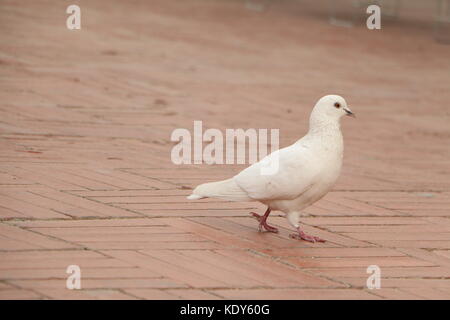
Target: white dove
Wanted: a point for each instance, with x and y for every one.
(306, 170)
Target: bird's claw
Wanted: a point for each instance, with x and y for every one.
(257, 216)
(263, 224)
(303, 236)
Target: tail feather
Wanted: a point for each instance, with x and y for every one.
(225, 189)
(194, 197)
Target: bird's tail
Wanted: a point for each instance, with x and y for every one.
(225, 189)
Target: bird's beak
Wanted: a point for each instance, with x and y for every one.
(349, 113)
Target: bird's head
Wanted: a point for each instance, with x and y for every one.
(330, 108)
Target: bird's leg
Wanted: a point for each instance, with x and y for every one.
(303, 236)
(263, 221)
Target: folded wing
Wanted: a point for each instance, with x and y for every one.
(282, 175)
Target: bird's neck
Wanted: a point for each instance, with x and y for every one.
(324, 127)
(327, 136)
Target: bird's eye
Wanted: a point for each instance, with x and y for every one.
(337, 105)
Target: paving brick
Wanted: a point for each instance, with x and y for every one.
(11, 244)
(333, 252)
(101, 294)
(359, 221)
(346, 206)
(113, 179)
(90, 223)
(101, 283)
(213, 234)
(224, 275)
(389, 272)
(285, 275)
(6, 213)
(393, 229)
(426, 255)
(373, 236)
(279, 240)
(246, 232)
(193, 294)
(161, 212)
(443, 253)
(77, 179)
(338, 262)
(425, 244)
(5, 286)
(118, 194)
(151, 294)
(328, 236)
(46, 180)
(61, 263)
(87, 208)
(88, 271)
(178, 273)
(26, 209)
(177, 206)
(29, 240)
(242, 265)
(131, 236)
(9, 179)
(19, 294)
(417, 283)
(429, 293)
(141, 245)
(49, 254)
(395, 294)
(296, 294)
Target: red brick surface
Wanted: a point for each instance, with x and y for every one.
(86, 177)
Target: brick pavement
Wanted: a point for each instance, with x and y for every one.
(86, 176)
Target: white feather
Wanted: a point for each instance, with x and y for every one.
(306, 170)
(225, 189)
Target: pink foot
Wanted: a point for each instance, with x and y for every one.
(263, 223)
(303, 236)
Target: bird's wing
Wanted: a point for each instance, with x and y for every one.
(296, 171)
